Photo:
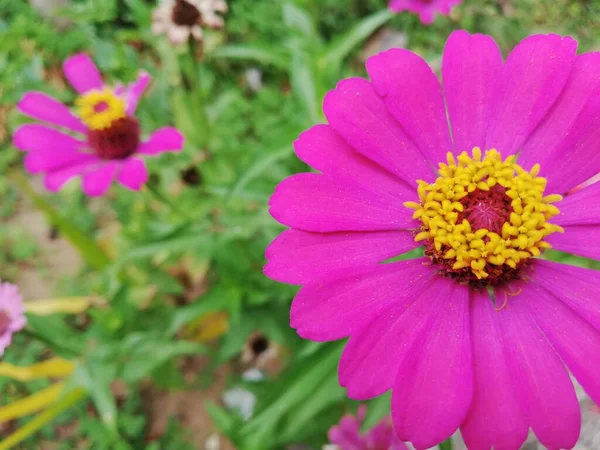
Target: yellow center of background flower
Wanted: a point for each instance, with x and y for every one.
(485, 215)
(100, 109)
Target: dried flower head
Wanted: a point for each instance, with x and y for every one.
(180, 19)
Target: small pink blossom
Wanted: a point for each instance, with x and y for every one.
(99, 142)
(347, 436)
(425, 9)
(12, 318)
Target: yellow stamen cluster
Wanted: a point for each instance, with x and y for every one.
(481, 250)
(100, 109)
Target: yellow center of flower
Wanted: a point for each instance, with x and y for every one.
(100, 109)
(484, 217)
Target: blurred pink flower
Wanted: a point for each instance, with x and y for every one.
(479, 334)
(100, 142)
(12, 318)
(346, 435)
(425, 9)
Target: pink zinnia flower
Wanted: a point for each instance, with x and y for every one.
(425, 9)
(12, 318)
(347, 436)
(479, 333)
(100, 142)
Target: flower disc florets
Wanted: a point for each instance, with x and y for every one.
(483, 218)
(112, 133)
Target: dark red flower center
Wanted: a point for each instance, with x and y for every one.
(185, 14)
(4, 322)
(118, 141)
(487, 209)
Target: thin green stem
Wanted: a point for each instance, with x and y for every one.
(90, 251)
(164, 200)
(191, 71)
(447, 444)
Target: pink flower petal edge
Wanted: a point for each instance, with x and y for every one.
(426, 10)
(11, 309)
(82, 73)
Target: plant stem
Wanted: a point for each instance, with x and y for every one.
(164, 200)
(447, 444)
(192, 72)
(90, 251)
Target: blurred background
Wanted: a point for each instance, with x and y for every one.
(179, 341)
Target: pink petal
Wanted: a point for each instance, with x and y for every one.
(47, 109)
(340, 304)
(495, 419)
(414, 96)
(373, 356)
(574, 339)
(42, 161)
(581, 240)
(434, 386)
(324, 150)
(566, 169)
(470, 68)
(577, 287)
(580, 208)
(133, 174)
(135, 91)
(82, 73)
(56, 179)
(530, 82)
(542, 385)
(426, 10)
(37, 137)
(49, 149)
(346, 435)
(359, 115)
(313, 202)
(167, 139)
(297, 257)
(565, 115)
(97, 180)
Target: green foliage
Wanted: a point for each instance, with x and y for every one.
(191, 244)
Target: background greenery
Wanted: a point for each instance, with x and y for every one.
(187, 252)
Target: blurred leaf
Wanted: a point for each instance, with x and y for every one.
(144, 355)
(88, 248)
(264, 162)
(95, 377)
(52, 368)
(31, 404)
(345, 43)
(224, 421)
(263, 55)
(207, 328)
(67, 401)
(299, 20)
(56, 334)
(286, 395)
(304, 84)
(377, 409)
(69, 305)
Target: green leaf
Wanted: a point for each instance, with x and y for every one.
(345, 43)
(265, 161)
(142, 355)
(377, 409)
(87, 247)
(268, 56)
(299, 20)
(95, 377)
(302, 78)
(224, 421)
